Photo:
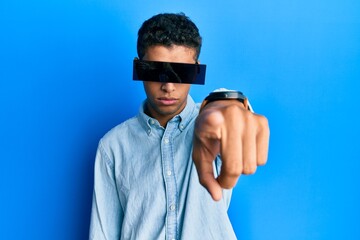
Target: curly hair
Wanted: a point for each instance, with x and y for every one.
(168, 29)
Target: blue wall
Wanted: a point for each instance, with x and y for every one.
(65, 79)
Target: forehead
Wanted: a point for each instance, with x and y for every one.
(173, 53)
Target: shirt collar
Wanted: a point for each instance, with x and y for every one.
(184, 118)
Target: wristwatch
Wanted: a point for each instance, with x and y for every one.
(225, 94)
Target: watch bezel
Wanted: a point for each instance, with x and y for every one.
(224, 95)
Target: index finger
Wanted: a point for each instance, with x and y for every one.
(205, 149)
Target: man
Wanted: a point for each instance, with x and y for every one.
(146, 183)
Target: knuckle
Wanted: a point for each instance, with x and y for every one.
(227, 182)
(234, 111)
(227, 185)
(202, 181)
(263, 122)
(233, 172)
(232, 108)
(214, 117)
(262, 162)
(249, 117)
(249, 169)
(211, 120)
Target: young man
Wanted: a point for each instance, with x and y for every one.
(154, 172)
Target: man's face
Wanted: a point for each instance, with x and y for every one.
(165, 100)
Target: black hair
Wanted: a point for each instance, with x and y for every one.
(168, 29)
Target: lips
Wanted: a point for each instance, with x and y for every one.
(167, 101)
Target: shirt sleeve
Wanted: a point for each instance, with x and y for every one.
(107, 213)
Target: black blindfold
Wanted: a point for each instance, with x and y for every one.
(169, 72)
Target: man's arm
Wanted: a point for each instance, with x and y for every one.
(241, 138)
(107, 213)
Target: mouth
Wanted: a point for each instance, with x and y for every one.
(167, 101)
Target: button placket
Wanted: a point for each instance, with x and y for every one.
(170, 180)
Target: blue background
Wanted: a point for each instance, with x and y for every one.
(65, 79)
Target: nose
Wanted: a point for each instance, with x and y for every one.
(168, 87)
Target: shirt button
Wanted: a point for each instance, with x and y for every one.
(181, 127)
(166, 140)
(172, 207)
(152, 122)
(169, 173)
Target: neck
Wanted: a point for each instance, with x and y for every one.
(161, 118)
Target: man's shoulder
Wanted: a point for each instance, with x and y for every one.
(121, 130)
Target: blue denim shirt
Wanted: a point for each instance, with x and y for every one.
(146, 185)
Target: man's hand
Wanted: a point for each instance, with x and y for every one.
(240, 137)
